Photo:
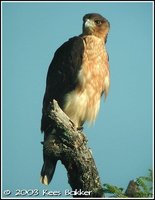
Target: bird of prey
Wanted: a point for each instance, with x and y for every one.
(77, 78)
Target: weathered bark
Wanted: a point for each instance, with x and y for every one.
(132, 189)
(69, 145)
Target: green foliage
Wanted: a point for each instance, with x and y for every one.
(114, 190)
(141, 187)
(145, 185)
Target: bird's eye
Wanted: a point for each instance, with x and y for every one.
(98, 22)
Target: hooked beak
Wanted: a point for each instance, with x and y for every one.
(89, 23)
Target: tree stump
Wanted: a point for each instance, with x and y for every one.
(68, 144)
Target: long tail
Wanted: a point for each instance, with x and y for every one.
(48, 169)
(49, 164)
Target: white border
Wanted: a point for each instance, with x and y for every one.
(2, 2)
(77, 1)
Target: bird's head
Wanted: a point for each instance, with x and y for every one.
(95, 24)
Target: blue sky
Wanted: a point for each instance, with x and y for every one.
(121, 138)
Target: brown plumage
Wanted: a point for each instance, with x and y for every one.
(77, 77)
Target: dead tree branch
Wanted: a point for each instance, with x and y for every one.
(68, 144)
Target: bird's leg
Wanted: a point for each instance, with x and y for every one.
(80, 128)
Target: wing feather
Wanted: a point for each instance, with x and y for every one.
(62, 74)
